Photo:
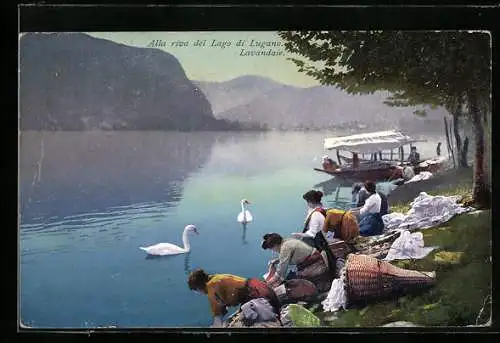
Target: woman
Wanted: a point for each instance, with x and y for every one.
(370, 219)
(226, 290)
(342, 224)
(315, 218)
(311, 264)
(328, 164)
(360, 194)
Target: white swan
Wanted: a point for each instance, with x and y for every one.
(162, 249)
(245, 216)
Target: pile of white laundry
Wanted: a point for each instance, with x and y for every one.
(408, 246)
(426, 211)
(423, 175)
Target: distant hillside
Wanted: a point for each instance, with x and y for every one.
(281, 106)
(235, 92)
(72, 81)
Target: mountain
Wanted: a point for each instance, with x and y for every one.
(282, 106)
(72, 81)
(235, 92)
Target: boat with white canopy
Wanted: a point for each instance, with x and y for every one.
(376, 156)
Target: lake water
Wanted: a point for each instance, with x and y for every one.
(89, 200)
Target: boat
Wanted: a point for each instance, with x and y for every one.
(382, 156)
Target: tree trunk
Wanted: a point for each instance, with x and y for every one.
(448, 144)
(463, 156)
(458, 140)
(481, 192)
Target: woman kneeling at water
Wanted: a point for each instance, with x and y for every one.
(315, 217)
(343, 224)
(226, 290)
(370, 217)
(311, 264)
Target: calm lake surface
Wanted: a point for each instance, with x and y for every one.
(89, 200)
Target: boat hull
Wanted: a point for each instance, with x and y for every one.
(379, 174)
(360, 175)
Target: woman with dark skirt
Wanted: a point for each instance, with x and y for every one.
(315, 218)
(311, 264)
(226, 290)
(370, 218)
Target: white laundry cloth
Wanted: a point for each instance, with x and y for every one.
(337, 297)
(426, 211)
(424, 175)
(408, 245)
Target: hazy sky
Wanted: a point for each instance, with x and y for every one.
(219, 63)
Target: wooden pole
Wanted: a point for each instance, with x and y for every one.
(391, 153)
(338, 157)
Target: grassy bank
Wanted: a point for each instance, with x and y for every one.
(463, 277)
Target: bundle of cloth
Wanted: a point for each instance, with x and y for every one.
(423, 175)
(408, 246)
(426, 211)
(255, 313)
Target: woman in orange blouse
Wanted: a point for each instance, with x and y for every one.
(226, 290)
(343, 224)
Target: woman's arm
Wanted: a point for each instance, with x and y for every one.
(282, 267)
(217, 307)
(315, 225)
(218, 322)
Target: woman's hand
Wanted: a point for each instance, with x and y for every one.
(297, 235)
(218, 322)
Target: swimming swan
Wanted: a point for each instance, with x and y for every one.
(162, 249)
(245, 216)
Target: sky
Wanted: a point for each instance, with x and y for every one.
(223, 61)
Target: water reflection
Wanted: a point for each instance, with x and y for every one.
(333, 185)
(341, 191)
(244, 234)
(187, 260)
(67, 173)
(187, 263)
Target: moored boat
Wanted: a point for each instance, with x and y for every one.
(387, 157)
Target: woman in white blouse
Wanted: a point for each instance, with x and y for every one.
(315, 218)
(370, 218)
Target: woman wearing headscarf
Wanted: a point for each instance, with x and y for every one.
(315, 218)
(342, 223)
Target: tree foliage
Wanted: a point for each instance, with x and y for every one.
(416, 67)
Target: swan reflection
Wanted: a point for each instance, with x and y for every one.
(187, 263)
(244, 235)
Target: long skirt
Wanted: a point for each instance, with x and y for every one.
(371, 224)
(315, 269)
(256, 288)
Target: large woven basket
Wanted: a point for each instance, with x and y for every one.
(367, 278)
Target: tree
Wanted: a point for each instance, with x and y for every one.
(437, 68)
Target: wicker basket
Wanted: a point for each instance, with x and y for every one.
(340, 249)
(367, 278)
